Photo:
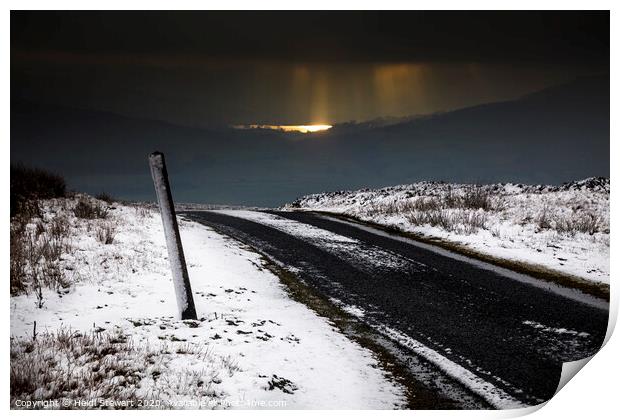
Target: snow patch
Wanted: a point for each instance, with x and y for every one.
(361, 255)
(545, 328)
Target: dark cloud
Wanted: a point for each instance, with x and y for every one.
(212, 67)
(325, 36)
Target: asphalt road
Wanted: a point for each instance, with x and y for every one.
(511, 335)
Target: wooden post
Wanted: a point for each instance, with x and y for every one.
(180, 277)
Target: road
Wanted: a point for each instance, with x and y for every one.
(500, 335)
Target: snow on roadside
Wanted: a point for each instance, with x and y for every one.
(252, 346)
(541, 225)
(360, 255)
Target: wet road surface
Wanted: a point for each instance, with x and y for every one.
(502, 338)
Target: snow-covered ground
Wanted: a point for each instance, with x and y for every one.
(564, 228)
(253, 346)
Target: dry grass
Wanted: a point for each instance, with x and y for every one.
(468, 210)
(73, 365)
(463, 212)
(577, 221)
(142, 211)
(106, 367)
(90, 209)
(39, 239)
(105, 233)
(36, 250)
(461, 222)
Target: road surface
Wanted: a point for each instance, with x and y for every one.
(499, 335)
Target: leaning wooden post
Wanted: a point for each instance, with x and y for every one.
(182, 287)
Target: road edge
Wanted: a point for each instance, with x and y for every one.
(598, 290)
(417, 394)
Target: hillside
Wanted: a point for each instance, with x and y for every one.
(549, 137)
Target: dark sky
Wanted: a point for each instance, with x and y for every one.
(94, 92)
(209, 68)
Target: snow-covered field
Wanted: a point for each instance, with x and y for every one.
(109, 331)
(564, 228)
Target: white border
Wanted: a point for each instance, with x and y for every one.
(593, 394)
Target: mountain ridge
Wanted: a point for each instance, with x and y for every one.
(546, 137)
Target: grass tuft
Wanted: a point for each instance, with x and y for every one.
(87, 209)
(106, 233)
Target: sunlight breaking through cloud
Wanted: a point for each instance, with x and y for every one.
(310, 128)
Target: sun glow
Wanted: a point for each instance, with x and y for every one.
(310, 128)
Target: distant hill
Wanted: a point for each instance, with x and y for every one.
(548, 137)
